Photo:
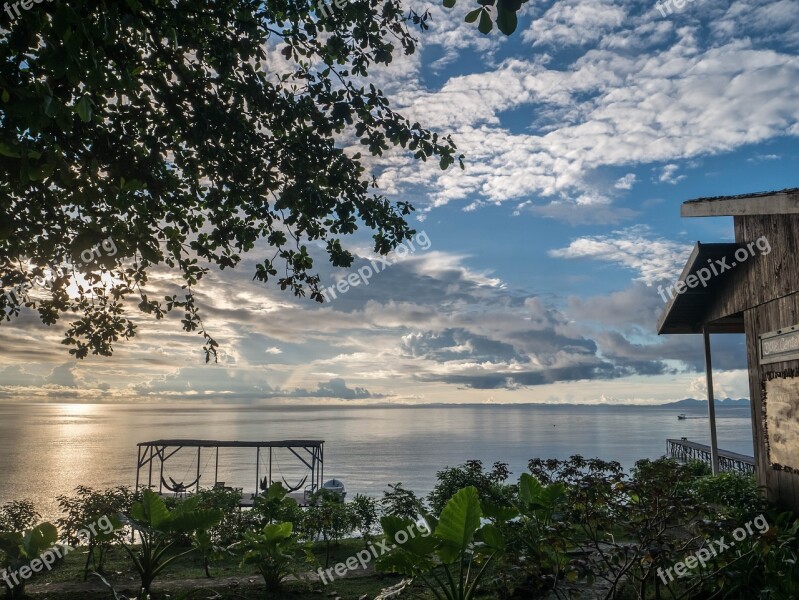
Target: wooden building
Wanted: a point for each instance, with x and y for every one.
(752, 287)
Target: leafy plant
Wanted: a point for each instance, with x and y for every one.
(364, 511)
(732, 495)
(329, 518)
(451, 562)
(273, 551)
(84, 509)
(19, 548)
(400, 502)
(155, 526)
(533, 523)
(18, 515)
(228, 503)
(489, 484)
(275, 506)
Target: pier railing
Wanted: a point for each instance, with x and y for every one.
(685, 450)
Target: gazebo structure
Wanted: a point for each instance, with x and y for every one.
(152, 456)
(751, 286)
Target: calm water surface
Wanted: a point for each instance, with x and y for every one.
(47, 450)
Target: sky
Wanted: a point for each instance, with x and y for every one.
(534, 274)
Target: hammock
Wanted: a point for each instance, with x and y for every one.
(178, 487)
(296, 487)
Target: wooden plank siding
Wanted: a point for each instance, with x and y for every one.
(765, 290)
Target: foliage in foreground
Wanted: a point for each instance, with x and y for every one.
(274, 552)
(19, 548)
(565, 525)
(155, 524)
(452, 561)
(141, 136)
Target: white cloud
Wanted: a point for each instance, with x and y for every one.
(625, 183)
(669, 174)
(635, 248)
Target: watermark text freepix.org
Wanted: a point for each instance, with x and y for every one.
(713, 549)
(365, 556)
(365, 273)
(105, 248)
(715, 268)
(25, 4)
(48, 558)
(666, 6)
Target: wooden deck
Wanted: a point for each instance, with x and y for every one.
(247, 499)
(686, 450)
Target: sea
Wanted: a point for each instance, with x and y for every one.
(46, 450)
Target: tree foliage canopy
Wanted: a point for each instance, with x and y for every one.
(174, 133)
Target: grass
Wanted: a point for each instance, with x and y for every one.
(185, 579)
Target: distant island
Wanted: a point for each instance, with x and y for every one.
(694, 403)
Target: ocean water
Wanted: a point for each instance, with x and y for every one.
(49, 449)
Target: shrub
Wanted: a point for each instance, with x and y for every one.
(489, 484)
(228, 503)
(157, 527)
(734, 495)
(18, 515)
(274, 552)
(364, 510)
(19, 548)
(329, 518)
(400, 502)
(85, 508)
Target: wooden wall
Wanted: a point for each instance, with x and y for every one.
(766, 291)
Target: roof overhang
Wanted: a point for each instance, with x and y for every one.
(232, 444)
(685, 312)
(763, 203)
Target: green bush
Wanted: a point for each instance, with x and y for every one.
(228, 503)
(400, 502)
(490, 485)
(733, 495)
(273, 551)
(86, 507)
(364, 510)
(18, 515)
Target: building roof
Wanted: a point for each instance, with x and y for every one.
(232, 444)
(685, 312)
(761, 203)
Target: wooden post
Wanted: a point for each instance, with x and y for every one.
(257, 471)
(711, 406)
(138, 466)
(197, 489)
(216, 468)
(270, 465)
(161, 472)
(150, 476)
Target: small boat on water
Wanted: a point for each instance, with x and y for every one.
(335, 486)
(682, 416)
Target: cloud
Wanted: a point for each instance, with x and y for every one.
(669, 175)
(575, 23)
(642, 91)
(335, 389)
(625, 183)
(635, 248)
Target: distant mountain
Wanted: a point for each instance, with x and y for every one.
(694, 403)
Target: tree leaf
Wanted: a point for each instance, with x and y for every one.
(457, 524)
(471, 17)
(84, 109)
(506, 20)
(486, 24)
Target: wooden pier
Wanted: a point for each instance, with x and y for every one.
(685, 450)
